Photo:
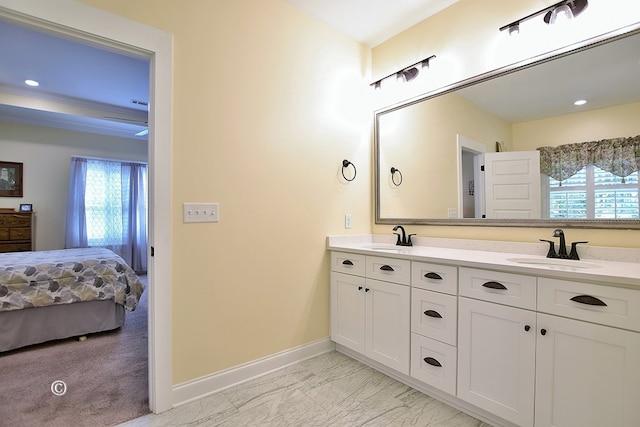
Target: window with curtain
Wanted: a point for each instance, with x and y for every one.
(592, 180)
(107, 207)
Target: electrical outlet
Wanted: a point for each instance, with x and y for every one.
(200, 212)
(347, 220)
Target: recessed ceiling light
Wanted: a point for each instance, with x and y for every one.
(33, 83)
(580, 102)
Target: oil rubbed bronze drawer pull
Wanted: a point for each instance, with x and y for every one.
(347, 262)
(494, 285)
(433, 276)
(433, 313)
(589, 300)
(386, 268)
(433, 362)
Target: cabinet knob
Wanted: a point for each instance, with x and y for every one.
(433, 276)
(527, 327)
(433, 313)
(494, 285)
(543, 331)
(386, 268)
(359, 288)
(347, 262)
(433, 362)
(367, 289)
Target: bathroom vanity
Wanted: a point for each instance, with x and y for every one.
(495, 328)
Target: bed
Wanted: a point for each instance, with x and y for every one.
(48, 295)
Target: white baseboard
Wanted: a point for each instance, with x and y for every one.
(201, 387)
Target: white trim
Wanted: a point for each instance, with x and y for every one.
(125, 35)
(201, 387)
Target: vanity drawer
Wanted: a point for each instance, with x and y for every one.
(434, 363)
(389, 269)
(434, 315)
(503, 288)
(607, 305)
(343, 262)
(435, 277)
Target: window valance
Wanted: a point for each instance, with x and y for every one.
(619, 156)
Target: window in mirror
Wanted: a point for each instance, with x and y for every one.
(593, 193)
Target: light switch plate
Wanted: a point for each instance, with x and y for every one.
(200, 212)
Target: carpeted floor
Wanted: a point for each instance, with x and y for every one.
(106, 378)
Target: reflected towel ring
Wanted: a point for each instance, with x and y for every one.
(345, 164)
(393, 176)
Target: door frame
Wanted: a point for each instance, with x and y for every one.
(116, 32)
(478, 149)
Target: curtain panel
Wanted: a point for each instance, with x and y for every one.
(619, 156)
(107, 207)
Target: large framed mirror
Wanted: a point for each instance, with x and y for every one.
(430, 153)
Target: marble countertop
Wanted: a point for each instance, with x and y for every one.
(610, 266)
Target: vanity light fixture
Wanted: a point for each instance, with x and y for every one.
(407, 74)
(566, 9)
(32, 83)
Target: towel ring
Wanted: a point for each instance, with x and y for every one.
(393, 176)
(345, 164)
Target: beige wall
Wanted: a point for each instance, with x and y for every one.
(466, 42)
(267, 104)
(615, 122)
(45, 154)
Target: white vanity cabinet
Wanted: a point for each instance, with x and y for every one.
(370, 309)
(587, 370)
(434, 321)
(497, 343)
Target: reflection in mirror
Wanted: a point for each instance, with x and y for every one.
(441, 143)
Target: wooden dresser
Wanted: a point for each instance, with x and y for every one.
(16, 231)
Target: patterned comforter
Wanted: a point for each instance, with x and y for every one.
(37, 279)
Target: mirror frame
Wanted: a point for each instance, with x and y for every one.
(487, 222)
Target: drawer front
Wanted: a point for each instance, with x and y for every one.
(607, 305)
(343, 262)
(389, 269)
(15, 247)
(503, 288)
(434, 315)
(4, 234)
(19, 233)
(434, 363)
(15, 220)
(435, 277)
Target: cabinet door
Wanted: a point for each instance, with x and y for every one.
(587, 375)
(496, 359)
(347, 310)
(387, 326)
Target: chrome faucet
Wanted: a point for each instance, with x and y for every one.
(404, 240)
(562, 249)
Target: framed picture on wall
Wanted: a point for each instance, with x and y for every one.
(10, 179)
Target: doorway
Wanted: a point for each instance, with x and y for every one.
(95, 26)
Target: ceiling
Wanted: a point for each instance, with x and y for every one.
(82, 87)
(372, 22)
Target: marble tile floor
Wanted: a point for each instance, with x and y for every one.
(328, 390)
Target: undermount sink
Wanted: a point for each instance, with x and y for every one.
(389, 248)
(554, 262)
